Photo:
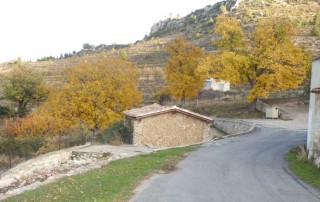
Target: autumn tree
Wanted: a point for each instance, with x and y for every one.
(8, 140)
(267, 59)
(62, 120)
(20, 137)
(24, 86)
(183, 79)
(96, 93)
(40, 125)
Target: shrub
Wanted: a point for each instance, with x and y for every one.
(117, 134)
(22, 148)
(53, 143)
(4, 162)
(47, 148)
(159, 74)
(316, 26)
(4, 111)
(30, 146)
(123, 54)
(197, 109)
(302, 154)
(71, 140)
(191, 19)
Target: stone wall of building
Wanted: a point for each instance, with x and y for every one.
(170, 129)
(233, 126)
(207, 134)
(137, 132)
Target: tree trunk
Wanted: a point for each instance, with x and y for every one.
(161, 99)
(10, 150)
(83, 139)
(93, 134)
(253, 106)
(22, 106)
(19, 110)
(60, 134)
(183, 100)
(10, 158)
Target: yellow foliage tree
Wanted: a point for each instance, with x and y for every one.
(268, 59)
(182, 76)
(95, 93)
(230, 30)
(24, 86)
(32, 125)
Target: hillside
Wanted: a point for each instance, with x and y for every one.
(149, 53)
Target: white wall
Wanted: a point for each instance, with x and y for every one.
(217, 85)
(315, 82)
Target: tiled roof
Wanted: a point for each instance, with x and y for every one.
(155, 109)
(316, 90)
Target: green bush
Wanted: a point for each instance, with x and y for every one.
(191, 19)
(22, 148)
(5, 111)
(117, 134)
(30, 146)
(316, 26)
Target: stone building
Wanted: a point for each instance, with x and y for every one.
(217, 85)
(313, 142)
(164, 126)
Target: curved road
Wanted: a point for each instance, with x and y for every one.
(243, 168)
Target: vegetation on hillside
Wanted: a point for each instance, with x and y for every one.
(24, 86)
(183, 79)
(267, 59)
(88, 97)
(316, 26)
(96, 92)
(149, 53)
(92, 98)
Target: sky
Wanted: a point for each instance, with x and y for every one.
(32, 29)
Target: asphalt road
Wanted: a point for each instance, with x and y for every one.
(243, 168)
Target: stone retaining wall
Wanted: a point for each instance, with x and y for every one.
(39, 169)
(76, 155)
(233, 126)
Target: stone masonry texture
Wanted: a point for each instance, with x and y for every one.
(170, 129)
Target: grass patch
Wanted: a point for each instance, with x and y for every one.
(113, 182)
(303, 169)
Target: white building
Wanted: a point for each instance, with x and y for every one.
(315, 83)
(217, 85)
